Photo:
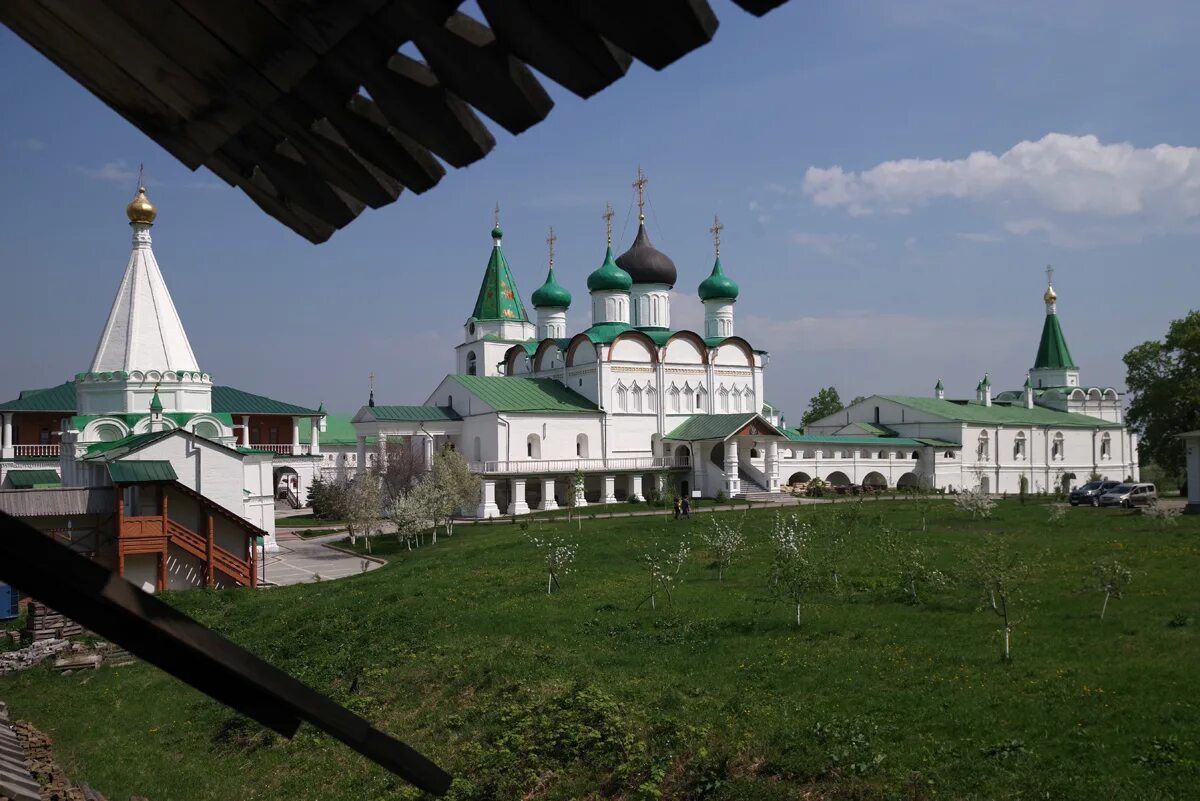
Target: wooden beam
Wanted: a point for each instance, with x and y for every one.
(657, 33)
(550, 38)
(162, 636)
(208, 570)
(759, 7)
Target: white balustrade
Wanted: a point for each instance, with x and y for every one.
(35, 450)
(282, 450)
(526, 466)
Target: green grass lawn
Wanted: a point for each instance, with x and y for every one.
(293, 521)
(457, 649)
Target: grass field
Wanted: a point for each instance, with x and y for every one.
(457, 649)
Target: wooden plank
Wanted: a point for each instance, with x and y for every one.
(470, 63)
(759, 7)
(322, 25)
(657, 33)
(547, 36)
(210, 119)
(75, 55)
(162, 636)
(262, 195)
(415, 103)
(208, 574)
(365, 129)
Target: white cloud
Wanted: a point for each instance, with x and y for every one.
(1076, 178)
(828, 244)
(119, 172)
(979, 237)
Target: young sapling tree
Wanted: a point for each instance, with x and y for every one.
(1110, 578)
(559, 554)
(724, 540)
(975, 502)
(662, 568)
(1001, 576)
(794, 570)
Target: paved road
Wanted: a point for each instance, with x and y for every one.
(301, 561)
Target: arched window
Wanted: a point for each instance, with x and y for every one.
(810, 454)
(948, 455)
(450, 401)
(735, 400)
(472, 368)
(701, 396)
(882, 455)
(983, 450)
(1106, 446)
(651, 399)
(1058, 448)
(673, 395)
(635, 398)
(876, 415)
(689, 398)
(107, 432)
(621, 398)
(533, 447)
(723, 400)
(754, 453)
(916, 455)
(206, 429)
(1019, 446)
(581, 446)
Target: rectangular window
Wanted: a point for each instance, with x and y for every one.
(274, 437)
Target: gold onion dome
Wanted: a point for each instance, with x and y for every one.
(1050, 295)
(140, 209)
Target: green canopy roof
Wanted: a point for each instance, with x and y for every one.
(511, 394)
(28, 479)
(413, 414)
(608, 276)
(141, 472)
(717, 426)
(718, 286)
(499, 298)
(1052, 351)
(551, 295)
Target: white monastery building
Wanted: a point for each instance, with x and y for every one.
(629, 399)
(142, 460)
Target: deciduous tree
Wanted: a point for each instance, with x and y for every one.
(1110, 578)
(823, 404)
(1163, 378)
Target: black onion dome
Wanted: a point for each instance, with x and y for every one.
(645, 264)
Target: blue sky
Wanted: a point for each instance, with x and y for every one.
(874, 251)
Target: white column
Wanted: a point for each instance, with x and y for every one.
(773, 466)
(427, 453)
(635, 487)
(487, 499)
(548, 503)
(295, 436)
(610, 490)
(315, 450)
(518, 506)
(245, 431)
(733, 484)
(361, 461)
(6, 446)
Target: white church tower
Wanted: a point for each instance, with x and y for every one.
(498, 319)
(718, 293)
(143, 347)
(551, 301)
(1053, 366)
(609, 286)
(652, 271)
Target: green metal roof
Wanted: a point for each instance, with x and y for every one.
(413, 414)
(1000, 413)
(499, 298)
(1052, 350)
(840, 439)
(876, 430)
(715, 426)
(28, 479)
(119, 447)
(141, 472)
(608, 276)
(235, 401)
(50, 399)
(338, 431)
(718, 286)
(511, 394)
(551, 295)
(604, 333)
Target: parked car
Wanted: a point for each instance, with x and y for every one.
(1090, 492)
(1129, 495)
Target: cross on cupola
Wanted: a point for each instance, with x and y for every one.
(716, 230)
(550, 240)
(608, 218)
(640, 186)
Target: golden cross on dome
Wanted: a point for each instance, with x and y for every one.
(141, 169)
(608, 215)
(640, 186)
(716, 232)
(550, 240)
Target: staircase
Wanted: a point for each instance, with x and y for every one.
(236, 568)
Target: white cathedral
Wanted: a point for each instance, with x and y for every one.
(629, 400)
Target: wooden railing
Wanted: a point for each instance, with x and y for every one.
(584, 465)
(36, 451)
(197, 545)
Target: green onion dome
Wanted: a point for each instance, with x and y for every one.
(718, 286)
(551, 295)
(497, 233)
(609, 276)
